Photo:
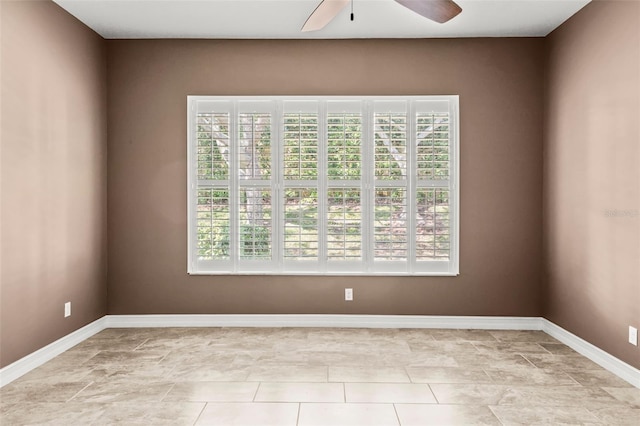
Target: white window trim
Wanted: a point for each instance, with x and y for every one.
(367, 267)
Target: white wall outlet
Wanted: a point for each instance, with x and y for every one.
(67, 309)
(633, 336)
(348, 294)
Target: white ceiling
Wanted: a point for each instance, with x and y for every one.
(283, 19)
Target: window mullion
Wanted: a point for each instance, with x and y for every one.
(277, 176)
(454, 186)
(322, 179)
(367, 186)
(411, 189)
(192, 170)
(234, 190)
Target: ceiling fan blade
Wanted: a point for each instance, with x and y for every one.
(437, 10)
(324, 13)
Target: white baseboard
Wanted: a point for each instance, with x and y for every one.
(594, 353)
(310, 320)
(597, 355)
(52, 350)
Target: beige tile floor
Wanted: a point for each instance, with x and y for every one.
(327, 377)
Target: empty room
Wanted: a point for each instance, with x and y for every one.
(308, 212)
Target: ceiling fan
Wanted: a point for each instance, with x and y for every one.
(437, 10)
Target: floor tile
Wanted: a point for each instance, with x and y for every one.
(511, 347)
(522, 336)
(126, 391)
(558, 349)
(598, 378)
(442, 348)
(368, 374)
(447, 375)
(36, 392)
(618, 416)
(180, 357)
(471, 394)
(212, 392)
(205, 373)
(56, 413)
(346, 359)
(151, 372)
(287, 373)
(347, 415)
(388, 393)
(249, 414)
(442, 414)
(559, 396)
(629, 395)
(417, 334)
(182, 413)
(530, 376)
(561, 362)
(462, 335)
(492, 359)
(300, 392)
(125, 358)
(527, 415)
(431, 359)
(51, 373)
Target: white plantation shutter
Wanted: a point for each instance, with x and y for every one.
(436, 163)
(213, 130)
(345, 241)
(254, 201)
(323, 185)
(300, 197)
(390, 182)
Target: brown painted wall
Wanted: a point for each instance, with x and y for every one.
(592, 167)
(500, 83)
(53, 174)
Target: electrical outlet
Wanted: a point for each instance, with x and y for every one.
(633, 336)
(67, 309)
(348, 294)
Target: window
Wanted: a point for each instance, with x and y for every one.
(323, 185)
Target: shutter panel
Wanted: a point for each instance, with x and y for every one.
(391, 241)
(254, 201)
(213, 209)
(300, 178)
(344, 232)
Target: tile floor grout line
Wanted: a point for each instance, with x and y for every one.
(255, 394)
(76, 394)
(200, 414)
(432, 393)
(173, 385)
(495, 415)
(145, 341)
(298, 414)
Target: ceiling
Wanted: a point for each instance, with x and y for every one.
(282, 19)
